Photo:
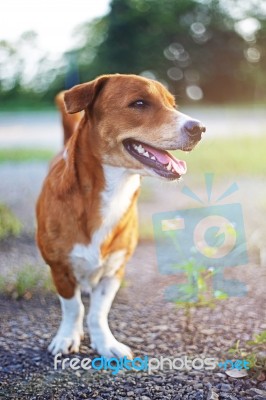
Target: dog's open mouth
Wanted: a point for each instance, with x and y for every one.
(160, 161)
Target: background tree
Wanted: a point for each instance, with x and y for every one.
(210, 50)
(191, 45)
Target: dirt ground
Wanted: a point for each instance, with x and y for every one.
(140, 316)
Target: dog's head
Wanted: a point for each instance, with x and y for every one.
(132, 122)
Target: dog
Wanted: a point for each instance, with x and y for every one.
(120, 130)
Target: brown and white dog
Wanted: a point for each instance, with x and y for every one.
(86, 212)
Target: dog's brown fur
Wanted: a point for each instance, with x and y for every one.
(97, 117)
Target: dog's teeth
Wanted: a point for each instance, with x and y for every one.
(169, 166)
(146, 154)
(153, 158)
(140, 149)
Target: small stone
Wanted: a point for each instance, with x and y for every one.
(255, 391)
(139, 390)
(262, 377)
(224, 387)
(220, 375)
(208, 332)
(262, 386)
(227, 396)
(198, 386)
(151, 346)
(212, 395)
(136, 339)
(236, 373)
(198, 396)
(159, 328)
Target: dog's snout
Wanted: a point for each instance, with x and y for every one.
(194, 129)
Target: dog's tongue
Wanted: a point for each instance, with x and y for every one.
(164, 158)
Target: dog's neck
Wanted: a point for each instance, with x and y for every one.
(91, 170)
(83, 161)
(120, 185)
(107, 190)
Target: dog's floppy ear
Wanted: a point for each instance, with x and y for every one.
(82, 96)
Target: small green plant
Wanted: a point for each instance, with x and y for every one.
(28, 280)
(195, 292)
(253, 351)
(9, 224)
(258, 339)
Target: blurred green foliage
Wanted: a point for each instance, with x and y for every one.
(17, 155)
(28, 280)
(210, 50)
(244, 157)
(9, 224)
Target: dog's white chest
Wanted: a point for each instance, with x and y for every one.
(86, 260)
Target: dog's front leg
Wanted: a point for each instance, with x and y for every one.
(70, 332)
(102, 339)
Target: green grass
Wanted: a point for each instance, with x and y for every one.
(28, 280)
(229, 156)
(254, 352)
(236, 156)
(17, 155)
(9, 224)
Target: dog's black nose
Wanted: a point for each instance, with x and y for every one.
(194, 129)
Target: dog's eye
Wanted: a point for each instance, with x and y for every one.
(138, 104)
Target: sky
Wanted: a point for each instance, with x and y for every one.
(53, 20)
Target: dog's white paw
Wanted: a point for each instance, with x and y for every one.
(110, 347)
(66, 343)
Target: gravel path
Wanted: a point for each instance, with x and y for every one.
(140, 316)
